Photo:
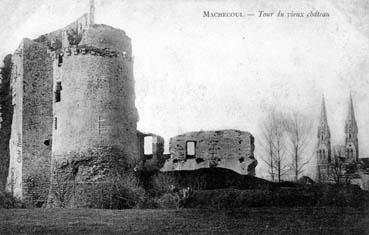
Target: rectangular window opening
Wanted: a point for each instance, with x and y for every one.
(58, 92)
(190, 149)
(56, 123)
(60, 60)
(148, 145)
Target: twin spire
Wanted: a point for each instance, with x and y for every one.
(350, 119)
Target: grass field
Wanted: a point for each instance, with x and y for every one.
(330, 220)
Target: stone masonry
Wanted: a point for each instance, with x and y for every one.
(95, 118)
(32, 121)
(230, 149)
(74, 122)
(156, 158)
(74, 112)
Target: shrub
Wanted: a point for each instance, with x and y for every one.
(73, 37)
(119, 192)
(168, 201)
(38, 185)
(115, 190)
(323, 195)
(7, 201)
(127, 191)
(162, 183)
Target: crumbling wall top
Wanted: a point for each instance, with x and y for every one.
(231, 149)
(103, 36)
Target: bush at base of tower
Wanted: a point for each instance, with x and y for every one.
(7, 201)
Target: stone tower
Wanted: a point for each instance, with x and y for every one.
(94, 113)
(323, 146)
(31, 130)
(351, 131)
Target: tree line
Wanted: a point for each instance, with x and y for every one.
(284, 140)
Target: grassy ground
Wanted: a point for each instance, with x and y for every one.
(253, 221)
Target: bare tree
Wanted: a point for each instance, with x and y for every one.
(298, 131)
(340, 170)
(280, 145)
(267, 144)
(274, 144)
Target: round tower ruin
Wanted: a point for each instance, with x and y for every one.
(94, 113)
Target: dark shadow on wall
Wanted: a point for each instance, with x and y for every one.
(6, 118)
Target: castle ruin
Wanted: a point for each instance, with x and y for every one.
(74, 107)
(74, 123)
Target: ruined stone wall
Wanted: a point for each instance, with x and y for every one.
(156, 159)
(104, 36)
(231, 149)
(6, 110)
(79, 25)
(227, 144)
(37, 120)
(59, 38)
(32, 121)
(72, 34)
(95, 118)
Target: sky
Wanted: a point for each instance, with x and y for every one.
(195, 73)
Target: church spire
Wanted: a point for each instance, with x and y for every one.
(351, 131)
(324, 145)
(351, 113)
(351, 125)
(323, 113)
(323, 129)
